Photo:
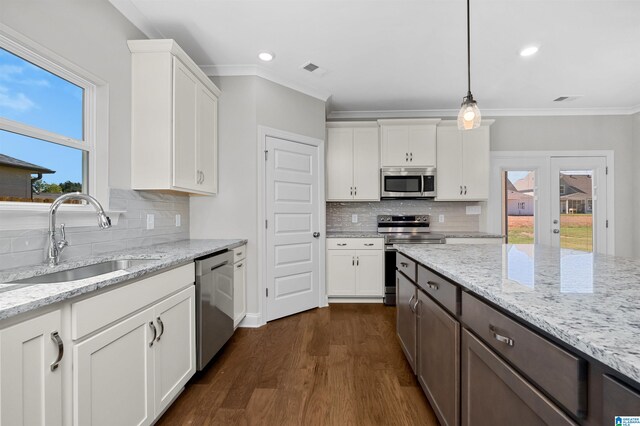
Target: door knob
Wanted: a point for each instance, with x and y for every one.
(316, 235)
(556, 231)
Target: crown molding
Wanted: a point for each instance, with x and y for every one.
(516, 112)
(258, 71)
(133, 14)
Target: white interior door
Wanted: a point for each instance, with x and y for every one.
(579, 203)
(292, 212)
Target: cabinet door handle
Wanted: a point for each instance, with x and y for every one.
(411, 300)
(342, 244)
(355, 190)
(406, 158)
(351, 191)
(353, 261)
(55, 336)
(500, 338)
(368, 244)
(161, 324)
(432, 285)
(415, 306)
(203, 177)
(465, 190)
(411, 156)
(404, 264)
(155, 333)
(357, 261)
(460, 189)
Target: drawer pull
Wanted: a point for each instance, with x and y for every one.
(432, 285)
(239, 265)
(368, 244)
(500, 338)
(342, 244)
(404, 264)
(239, 254)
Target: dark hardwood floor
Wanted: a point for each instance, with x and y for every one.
(340, 365)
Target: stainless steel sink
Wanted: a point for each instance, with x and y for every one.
(83, 272)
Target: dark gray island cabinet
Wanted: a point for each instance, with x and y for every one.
(481, 365)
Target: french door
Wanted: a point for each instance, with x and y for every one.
(578, 197)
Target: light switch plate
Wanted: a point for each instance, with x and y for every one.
(151, 221)
(474, 210)
(178, 220)
(354, 218)
(441, 218)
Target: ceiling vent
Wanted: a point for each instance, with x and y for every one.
(567, 98)
(313, 68)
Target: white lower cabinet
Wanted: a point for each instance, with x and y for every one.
(239, 284)
(355, 267)
(130, 372)
(30, 378)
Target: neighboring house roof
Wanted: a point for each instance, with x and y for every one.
(576, 196)
(7, 161)
(525, 184)
(577, 183)
(515, 195)
(511, 186)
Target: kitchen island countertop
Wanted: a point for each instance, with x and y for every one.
(19, 298)
(590, 302)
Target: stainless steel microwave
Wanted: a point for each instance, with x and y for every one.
(408, 182)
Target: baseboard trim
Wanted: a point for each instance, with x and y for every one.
(356, 300)
(251, 321)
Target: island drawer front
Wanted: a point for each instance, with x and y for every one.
(560, 373)
(618, 400)
(442, 290)
(406, 266)
(92, 314)
(355, 243)
(239, 253)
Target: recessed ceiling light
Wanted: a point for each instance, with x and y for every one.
(528, 51)
(266, 56)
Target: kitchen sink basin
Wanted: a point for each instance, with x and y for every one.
(83, 272)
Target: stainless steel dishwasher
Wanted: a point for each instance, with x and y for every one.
(214, 304)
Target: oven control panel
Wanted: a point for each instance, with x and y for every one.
(403, 220)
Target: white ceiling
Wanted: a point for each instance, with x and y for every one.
(409, 57)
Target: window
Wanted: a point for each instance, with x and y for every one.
(45, 143)
(518, 206)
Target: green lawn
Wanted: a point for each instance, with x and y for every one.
(576, 231)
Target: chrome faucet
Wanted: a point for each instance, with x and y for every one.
(56, 247)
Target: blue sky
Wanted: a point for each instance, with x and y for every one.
(31, 95)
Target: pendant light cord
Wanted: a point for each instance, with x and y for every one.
(468, 53)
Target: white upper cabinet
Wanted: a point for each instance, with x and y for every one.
(353, 163)
(463, 162)
(408, 143)
(174, 120)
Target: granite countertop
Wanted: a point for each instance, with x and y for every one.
(588, 301)
(19, 298)
(375, 234)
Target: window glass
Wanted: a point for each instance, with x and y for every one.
(34, 96)
(519, 206)
(33, 170)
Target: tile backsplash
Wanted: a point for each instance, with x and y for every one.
(455, 217)
(28, 247)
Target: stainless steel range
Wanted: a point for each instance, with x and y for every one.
(402, 229)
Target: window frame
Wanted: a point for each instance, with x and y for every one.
(95, 139)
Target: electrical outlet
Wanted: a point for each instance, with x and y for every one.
(441, 218)
(354, 218)
(178, 220)
(151, 221)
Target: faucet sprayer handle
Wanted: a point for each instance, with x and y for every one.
(62, 233)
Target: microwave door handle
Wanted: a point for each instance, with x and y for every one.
(422, 185)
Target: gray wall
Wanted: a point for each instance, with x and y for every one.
(572, 133)
(245, 103)
(635, 159)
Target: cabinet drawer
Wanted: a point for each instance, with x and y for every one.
(618, 400)
(443, 291)
(558, 372)
(91, 314)
(355, 243)
(406, 266)
(239, 253)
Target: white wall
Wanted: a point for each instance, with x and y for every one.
(583, 133)
(93, 35)
(245, 103)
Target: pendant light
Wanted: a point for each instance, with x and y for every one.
(469, 116)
